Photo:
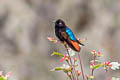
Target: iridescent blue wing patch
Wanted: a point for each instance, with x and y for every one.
(70, 34)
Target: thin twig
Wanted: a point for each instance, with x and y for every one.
(106, 74)
(71, 72)
(77, 76)
(69, 76)
(72, 65)
(74, 73)
(92, 72)
(81, 66)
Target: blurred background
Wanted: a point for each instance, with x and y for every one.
(25, 26)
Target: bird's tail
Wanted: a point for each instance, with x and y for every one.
(74, 45)
(80, 43)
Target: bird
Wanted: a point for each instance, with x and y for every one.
(66, 36)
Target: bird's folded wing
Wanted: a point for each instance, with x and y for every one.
(65, 36)
(72, 44)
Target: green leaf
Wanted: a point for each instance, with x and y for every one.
(57, 69)
(97, 66)
(91, 77)
(3, 78)
(97, 61)
(57, 53)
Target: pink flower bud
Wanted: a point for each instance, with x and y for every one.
(99, 54)
(1, 73)
(93, 52)
(107, 63)
(8, 74)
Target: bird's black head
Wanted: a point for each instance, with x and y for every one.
(60, 23)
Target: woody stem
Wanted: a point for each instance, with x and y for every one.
(74, 73)
(81, 66)
(92, 72)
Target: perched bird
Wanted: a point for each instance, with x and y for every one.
(66, 35)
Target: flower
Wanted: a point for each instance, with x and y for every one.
(1, 73)
(99, 54)
(114, 78)
(75, 59)
(77, 72)
(8, 74)
(107, 65)
(66, 57)
(92, 63)
(2, 77)
(53, 40)
(82, 39)
(71, 52)
(62, 59)
(93, 52)
(115, 65)
(66, 68)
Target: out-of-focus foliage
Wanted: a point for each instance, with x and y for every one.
(25, 25)
(4, 77)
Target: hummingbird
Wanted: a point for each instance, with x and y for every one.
(66, 36)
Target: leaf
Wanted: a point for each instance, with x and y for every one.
(91, 77)
(57, 53)
(57, 69)
(3, 78)
(97, 66)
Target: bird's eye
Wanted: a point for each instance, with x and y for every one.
(60, 23)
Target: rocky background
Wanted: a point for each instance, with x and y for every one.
(26, 24)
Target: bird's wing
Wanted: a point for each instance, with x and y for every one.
(70, 34)
(64, 35)
(80, 43)
(72, 44)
